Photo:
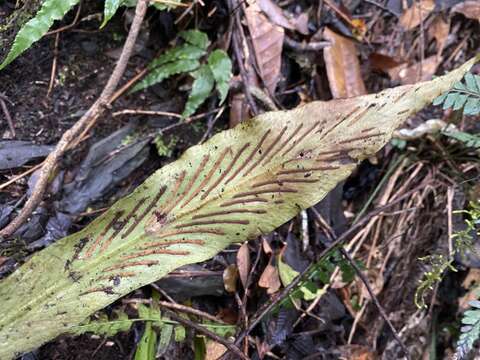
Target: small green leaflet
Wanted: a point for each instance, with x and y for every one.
(111, 7)
(464, 95)
(470, 329)
(469, 140)
(201, 88)
(221, 67)
(215, 73)
(34, 29)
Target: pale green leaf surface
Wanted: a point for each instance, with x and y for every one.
(182, 52)
(165, 71)
(195, 37)
(110, 9)
(221, 67)
(34, 29)
(146, 348)
(239, 184)
(202, 87)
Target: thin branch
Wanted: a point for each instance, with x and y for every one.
(374, 298)
(268, 307)
(231, 347)
(188, 310)
(70, 135)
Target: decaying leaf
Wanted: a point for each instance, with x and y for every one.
(420, 71)
(239, 184)
(267, 40)
(439, 30)
(343, 67)
(415, 14)
(243, 263)
(270, 278)
(469, 8)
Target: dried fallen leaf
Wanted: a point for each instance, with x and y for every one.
(230, 277)
(383, 62)
(439, 30)
(214, 350)
(243, 263)
(356, 352)
(267, 40)
(416, 72)
(415, 14)
(270, 279)
(343, 67)
(275, 14)
(469, 8)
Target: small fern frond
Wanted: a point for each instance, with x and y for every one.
(34, 29)
(470, 330)
(469, 140)
(464, 95)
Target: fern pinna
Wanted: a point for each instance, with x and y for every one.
(464, 95)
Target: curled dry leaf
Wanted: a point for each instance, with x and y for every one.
(270, 278)
(439, 30)
(275, 14)
(230, 277)
(420, 71)
(241, 183)
(469, 8)
(415, 14)
(343, 67)
(267, 40)
(243, 263)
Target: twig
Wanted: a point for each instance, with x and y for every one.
(231, 347)
(264, 310)
(304, 46)
(188, 310)
(241, 65)
(18, 177)
(54, 65)
(374, 298)
(7, 116)
(70, 135)
(66, 27)
(146, 112)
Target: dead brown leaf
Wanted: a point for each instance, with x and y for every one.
(416, 72)
(267, 40)
(357, 352)
(383, 62)
(275, 14)
(439, 30)
(270, 279)
(243, 263)
(230, 277)
(343, 67)
(472, 285)
(469, 8)
(415, 14)
(214, 350)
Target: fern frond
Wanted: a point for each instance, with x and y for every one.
(469, 140)
(34, 29)
(470, 330)
(165, 71)
(202, 87)
(464, 95)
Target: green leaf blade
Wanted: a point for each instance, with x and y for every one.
(221, 68)
(34, 29)
(110, 9)
(241, 183)
(165, 71)
(202, 87)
